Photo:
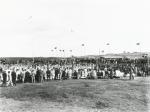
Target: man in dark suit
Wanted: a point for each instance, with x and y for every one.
(56, 73)
(48, 74)
(13, 75)
(4, 75)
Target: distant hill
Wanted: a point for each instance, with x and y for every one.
(134, 55)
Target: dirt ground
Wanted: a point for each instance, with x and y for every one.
(71, 96)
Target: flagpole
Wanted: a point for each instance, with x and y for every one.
(148, 62)
(83, 48)
(139, 47)
(55, 51)
(64, 53)
(32, 52)
(108, 46)
(52, 53)
(70, 53)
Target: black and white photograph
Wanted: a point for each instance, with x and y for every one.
(74, 55)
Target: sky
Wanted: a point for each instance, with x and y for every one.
(35, 27)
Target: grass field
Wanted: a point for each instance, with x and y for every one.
(78, 96)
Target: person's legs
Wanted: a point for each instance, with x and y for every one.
(42, 79)
(4, 82)
(23, 78)
(48, 77)
(33, 79)
(15, 82)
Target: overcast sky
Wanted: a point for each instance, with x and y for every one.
(35, 27)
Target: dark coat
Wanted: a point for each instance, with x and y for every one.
(4, 77)
(13, 75)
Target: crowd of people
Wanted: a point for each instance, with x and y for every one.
(10, 74)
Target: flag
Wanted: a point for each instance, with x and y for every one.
(137, 43)
(107, 44)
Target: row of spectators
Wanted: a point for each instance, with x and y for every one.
(10, 74)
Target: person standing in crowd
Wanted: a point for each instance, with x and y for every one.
(13, 75)
(60, 74)
(48, 74)
(1, 76)
(10, 78)
(75, 74)
(23, 71)
(43, 75)
(33, 73)
(56, 73)
(52, 73)
(79, 74)
(27, 76)
(131, 74)
(93, 74)
(4, 75)
(64, 74)
(39, 75)
(17, 74)
(70, 73)
(85, 72)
